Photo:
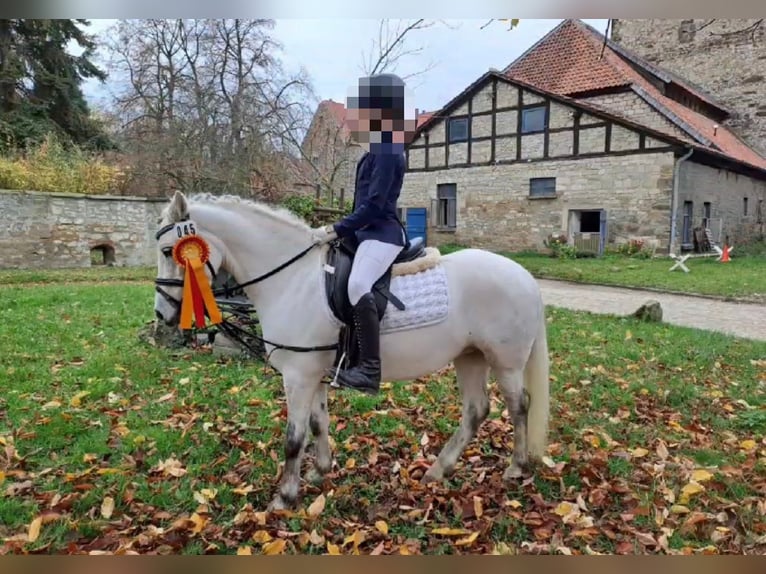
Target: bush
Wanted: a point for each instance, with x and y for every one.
(559, 246)
(301, 205)
(52, 168)
(635, 248)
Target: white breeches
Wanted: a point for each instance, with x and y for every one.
(372, 260)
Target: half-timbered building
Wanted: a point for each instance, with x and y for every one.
(579, 137)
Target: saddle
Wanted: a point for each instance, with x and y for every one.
(340, 259)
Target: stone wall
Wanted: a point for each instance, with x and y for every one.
(732, 68)
(726, 193)
(54, 230)
(496, 212)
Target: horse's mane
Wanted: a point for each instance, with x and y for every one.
(244, 205)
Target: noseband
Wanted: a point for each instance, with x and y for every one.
(226, 291)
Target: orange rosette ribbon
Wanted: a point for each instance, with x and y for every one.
(191, 253)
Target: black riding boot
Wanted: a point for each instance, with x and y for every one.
(365, 376)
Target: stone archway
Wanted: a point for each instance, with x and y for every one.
(102, 254)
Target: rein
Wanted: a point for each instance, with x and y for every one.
(226, 291)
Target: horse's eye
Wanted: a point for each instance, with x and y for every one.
(167, 251)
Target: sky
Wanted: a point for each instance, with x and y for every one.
(454, 53)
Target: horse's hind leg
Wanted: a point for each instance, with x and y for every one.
(472, 371)
(511, 382)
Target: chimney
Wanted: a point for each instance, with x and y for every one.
(417, 114)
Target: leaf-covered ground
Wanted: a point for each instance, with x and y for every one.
(110, 445)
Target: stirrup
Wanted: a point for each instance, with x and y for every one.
(334, 383)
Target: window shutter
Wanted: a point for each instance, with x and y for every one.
(452, 213)
(434, 213)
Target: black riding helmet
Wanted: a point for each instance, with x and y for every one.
(383, 92)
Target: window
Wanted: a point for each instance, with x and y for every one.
(542, 187)
(533, 120)
(458, 130)
(744, 207)
(445, 206)
(706, 214)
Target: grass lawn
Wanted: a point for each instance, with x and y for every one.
(742, 278)
(110, 445)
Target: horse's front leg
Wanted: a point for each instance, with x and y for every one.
(300, 392)
(319, 422)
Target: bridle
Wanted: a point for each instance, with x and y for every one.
(228, 290)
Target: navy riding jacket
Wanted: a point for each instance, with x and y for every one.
(379, 178)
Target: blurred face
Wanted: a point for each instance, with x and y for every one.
(366, 124)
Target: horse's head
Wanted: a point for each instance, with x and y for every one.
(175, 228)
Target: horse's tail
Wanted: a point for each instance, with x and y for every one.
(536, 381)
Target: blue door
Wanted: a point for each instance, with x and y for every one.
(416, 222)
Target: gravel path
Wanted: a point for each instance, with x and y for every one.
(746, 320)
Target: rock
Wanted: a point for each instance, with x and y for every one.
(651, 312)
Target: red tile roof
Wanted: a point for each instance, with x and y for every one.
(565, 62)
(568, 62)
(338, 110)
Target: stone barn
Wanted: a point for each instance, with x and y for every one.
(580, 137)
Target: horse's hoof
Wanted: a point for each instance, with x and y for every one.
(513, 473)
(277, 504)
(431, 477)
(315, 477)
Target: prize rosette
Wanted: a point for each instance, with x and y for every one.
(191, 253)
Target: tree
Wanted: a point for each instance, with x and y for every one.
(40, 82)
(204, 104)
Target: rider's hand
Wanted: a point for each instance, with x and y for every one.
(324, 234)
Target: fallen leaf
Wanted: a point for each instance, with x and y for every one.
(171, 467)
(262, 537)
(316, 539)
(701, 475)
(468, 540)
(333, 549)
(478, 509)
(275, 547)
(205, 495)
(513, 503)
(564, 508)
(76, 400)
(639, 452)
(689, 490)
(244, 551)
(748, 444)
(199, 523)
(357, 538)
(382, 527)
(449, 531)
(107, 507)
(316, 507)
(34, 529)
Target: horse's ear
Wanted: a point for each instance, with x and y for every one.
(179, 207)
